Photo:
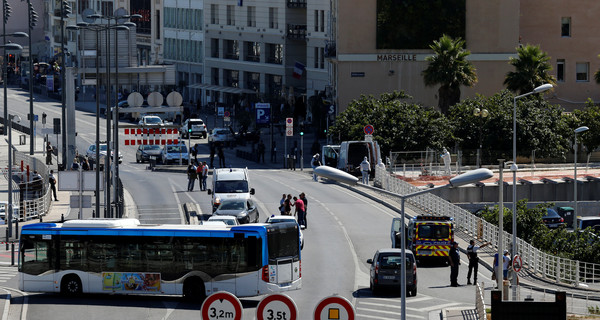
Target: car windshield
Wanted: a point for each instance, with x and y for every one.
(432, 231)
(151, 147)
(230, 222)
(153, 120)
(394, 261)
(550, 213)
(102, 147)
(196, 123)
(231, 186)
(232, 205)
(222, 132)
(176, 149)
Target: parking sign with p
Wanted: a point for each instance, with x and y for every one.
(263, 113)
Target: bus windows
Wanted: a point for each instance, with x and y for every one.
(34, 256)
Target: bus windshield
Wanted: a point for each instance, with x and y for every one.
(284, 241)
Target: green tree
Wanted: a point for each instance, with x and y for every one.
(450, 69)
(531, 70)
(399, 125)
(588, 116)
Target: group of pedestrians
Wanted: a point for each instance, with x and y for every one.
(197, 172)
(300, 204)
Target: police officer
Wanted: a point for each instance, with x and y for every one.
(473, 260)
(454, 259)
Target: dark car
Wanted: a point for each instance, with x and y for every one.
(144, 152)
(386, 272)
(553, 220)
(244, 210)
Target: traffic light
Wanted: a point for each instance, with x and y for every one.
(301, 129)
(33, 16)
(7, 11)
(64, 10)
(44, 115)
(56, 125)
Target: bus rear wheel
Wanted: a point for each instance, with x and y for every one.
(70, 285)
(193, 290)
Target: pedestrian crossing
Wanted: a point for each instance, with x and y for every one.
(417, 308)
(7, 272)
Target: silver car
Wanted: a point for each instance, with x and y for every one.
(144, 152)
(386, 272)
(244, 210)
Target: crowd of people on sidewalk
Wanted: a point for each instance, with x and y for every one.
(300, 204)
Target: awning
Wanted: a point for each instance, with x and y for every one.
(213, 87)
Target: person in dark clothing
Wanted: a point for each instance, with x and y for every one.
(261, 151)
(221, 155)
(212, 153)
(274, 152)
(454, 259)
(49, 151)
(473, 260)
(303, 198)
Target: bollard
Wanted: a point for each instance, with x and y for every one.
(62, 218)
(12, 254)
(505, 286)
(17, 229)
(41, 218)
(6, 239)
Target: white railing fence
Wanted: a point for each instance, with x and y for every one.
(480, 302)
(561, 270)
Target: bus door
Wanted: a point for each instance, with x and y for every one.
(36, 263)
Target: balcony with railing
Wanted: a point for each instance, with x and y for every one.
(296, 31)
(296, 4)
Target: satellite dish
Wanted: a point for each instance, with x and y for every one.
(174, 99)
(135, 99)
(119, 13)
(155, 99)
(86, 13)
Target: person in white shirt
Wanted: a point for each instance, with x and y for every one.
(365, 168)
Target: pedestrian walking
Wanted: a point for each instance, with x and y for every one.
(212, 153)
(365, 169)
(282, 204)
(221, 155)
(204, 175)
(454, 259)
(49, 151)
(194, 152)
(261, 151)
(288, 205)
(315, 162)
(52, 181)
(305, 200)
(192, 176)
(299, 204)
(473, 260)
(273, 152)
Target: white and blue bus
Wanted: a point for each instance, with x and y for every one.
(122, 256)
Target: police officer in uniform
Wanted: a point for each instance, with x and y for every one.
(473, 260)
(454, 258)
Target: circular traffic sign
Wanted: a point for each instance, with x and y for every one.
(276, 306)
(334, 307)
(517, 263)
(227, 114)
(289, 120)
(369, 129)
(221, 305)
(289, 132)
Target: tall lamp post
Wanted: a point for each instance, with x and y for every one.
(480, 113)
(514, 168)
(32, 23)
(462, 179)
(578, 130)
(4, 65)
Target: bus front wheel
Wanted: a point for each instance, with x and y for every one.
(193, 289)
(70, 285)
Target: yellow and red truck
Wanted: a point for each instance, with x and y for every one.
(428, 236)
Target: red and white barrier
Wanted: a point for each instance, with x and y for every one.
(150, 136)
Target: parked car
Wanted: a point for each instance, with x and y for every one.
(91, 153)
(3, 206)
(588, 222)
(278, 219)
(245, 210)
(553, 220)
(228, 220)
(386, 273)
(224, 135)
(151, 121)
(144, 152)
(193, 128)
(174, 153)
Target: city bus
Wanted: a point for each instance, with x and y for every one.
(122, 256)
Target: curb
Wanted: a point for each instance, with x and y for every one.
(6, 310)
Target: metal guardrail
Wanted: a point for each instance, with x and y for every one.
(560, 270)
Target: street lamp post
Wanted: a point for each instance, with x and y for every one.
(480, 113)
(514, 168)
(462, 179)
(578, 130)
(9, 214)
(5, 66)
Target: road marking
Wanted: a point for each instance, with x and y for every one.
(396, 313)
(438, 307)
(179, 205)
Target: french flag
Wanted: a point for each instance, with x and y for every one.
(298, 70)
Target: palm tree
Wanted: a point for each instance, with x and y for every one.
(450, 69)
(531, 70)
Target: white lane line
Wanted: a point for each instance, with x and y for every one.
(396, 313)
(438, 307)
(385, 305)
(179, 206)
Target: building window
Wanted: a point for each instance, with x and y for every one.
(251, 16)
(232, 78)
(582, 71)
(316, 20)
(273, 19)
(214, 14)
(560, 70)
(274, 53)
(231, 15)
(252, 51)
(214, 48)
(232, 50)
(322, 24)
(321, 58)
(253, 81)
(565, 27)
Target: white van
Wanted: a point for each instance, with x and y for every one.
(229, 183)
(352, 153)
